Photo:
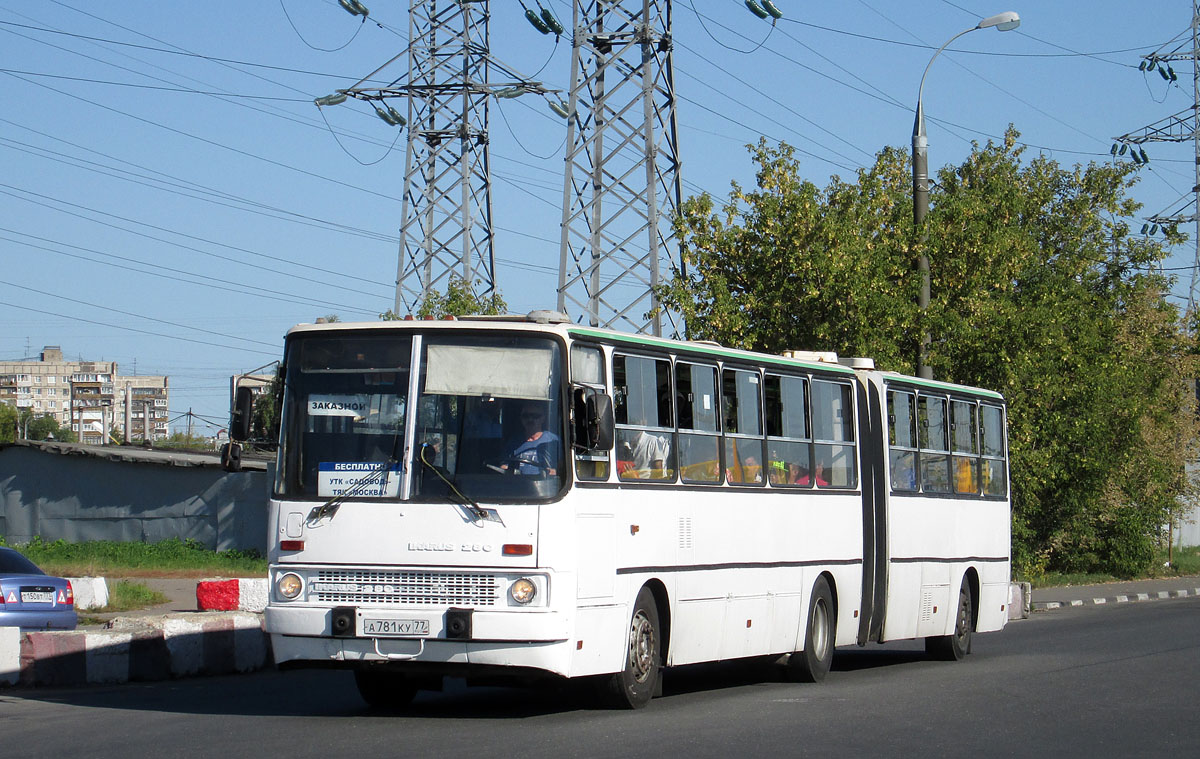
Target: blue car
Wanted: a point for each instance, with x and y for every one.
(31, 599)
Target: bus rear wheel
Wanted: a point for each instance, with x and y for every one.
(638, 681)
(812, 664)
(384, 690)
(954, 647)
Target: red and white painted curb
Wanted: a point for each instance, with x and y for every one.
(148, 648)
(242, 594)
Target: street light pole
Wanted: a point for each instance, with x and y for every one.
(920, 164)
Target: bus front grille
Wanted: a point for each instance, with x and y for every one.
(403, 588)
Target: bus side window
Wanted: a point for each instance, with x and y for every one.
(645, 424)
(741, 410)
(789, 446)
(902, 440)
(965, 444)
(934, 455)
(833, 434)
(587, 368)
(699, 435)
(991, 423)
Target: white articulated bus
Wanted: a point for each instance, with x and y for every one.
(504, 496)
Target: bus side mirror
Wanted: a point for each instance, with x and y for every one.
(242, 415)
(593, 420)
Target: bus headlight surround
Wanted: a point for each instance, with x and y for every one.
(523, 591)
(289, 585)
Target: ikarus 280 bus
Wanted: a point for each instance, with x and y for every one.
(529, 497)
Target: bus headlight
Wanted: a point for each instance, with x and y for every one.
(523, 590)
(289, 585)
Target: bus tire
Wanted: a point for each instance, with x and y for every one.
(812, 664)
(954, 647)
(384, 690)
(638, 680)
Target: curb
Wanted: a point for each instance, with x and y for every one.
(1125, 598)
(149, 648)
(242, 594)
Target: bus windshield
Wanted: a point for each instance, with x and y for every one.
(488, 423)
(489, 419)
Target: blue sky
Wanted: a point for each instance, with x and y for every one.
(171, 198)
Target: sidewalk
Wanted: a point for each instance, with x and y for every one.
(1045, 599)
(180, 593)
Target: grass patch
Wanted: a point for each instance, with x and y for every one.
(1184, 562)
(124, 595)
(167, 558)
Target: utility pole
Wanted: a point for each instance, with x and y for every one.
(1181, 127)
(622, 175)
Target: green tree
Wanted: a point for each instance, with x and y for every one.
(460, 299)
(1038, 291)
(33, 426)
(8, 423)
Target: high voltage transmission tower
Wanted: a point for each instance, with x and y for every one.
(1181, 127)
(446, 228)
(622, 165)
(621, 184)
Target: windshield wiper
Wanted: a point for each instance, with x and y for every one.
(477, 512)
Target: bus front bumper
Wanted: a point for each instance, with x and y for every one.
(303, 636)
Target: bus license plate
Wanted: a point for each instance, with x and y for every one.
(37, 597)
(395, 627)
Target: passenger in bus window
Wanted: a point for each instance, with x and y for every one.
(648, 450)
(538, 452)
(803, 477)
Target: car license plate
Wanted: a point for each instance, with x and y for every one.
(395, 627)
(37, 597)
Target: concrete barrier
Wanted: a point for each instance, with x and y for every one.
(241, 594)
(1020, 600)
(133, 649)
(10, 655)
(90, 592)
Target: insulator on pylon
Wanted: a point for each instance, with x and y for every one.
(1153, 230)
(756, 9)
(551, 22)
(1145, 227)
(336, 98)
(770, 8)
(1113, 149)
(1123, 149)
(1145, 158)
(1163, 73)
(537, 22)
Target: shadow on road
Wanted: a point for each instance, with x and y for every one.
(332, 694)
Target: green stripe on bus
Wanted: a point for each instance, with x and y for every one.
(680, 345)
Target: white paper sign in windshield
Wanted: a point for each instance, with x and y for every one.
(358, 479)
(338, 405)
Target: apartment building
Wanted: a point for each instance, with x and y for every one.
(81, 395)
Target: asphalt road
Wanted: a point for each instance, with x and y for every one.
(1089, 681)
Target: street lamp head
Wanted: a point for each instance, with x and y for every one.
(1002, 21)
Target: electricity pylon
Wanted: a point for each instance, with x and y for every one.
(446, 229)
(1181, 127)
(622, 166)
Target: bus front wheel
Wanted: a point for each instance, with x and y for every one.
(954, 647)
(812, 664)
(638, 681)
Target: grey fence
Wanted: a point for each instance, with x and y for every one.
(79, 493)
